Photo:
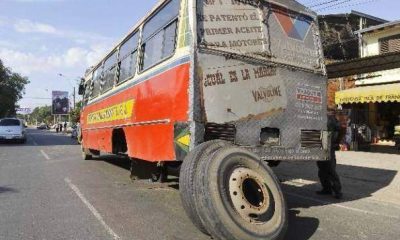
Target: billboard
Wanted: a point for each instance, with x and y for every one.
(24, 111)
(60, 103)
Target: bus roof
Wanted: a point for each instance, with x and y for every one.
(292, 4)
(130, 32)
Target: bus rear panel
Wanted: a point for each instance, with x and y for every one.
(261, 76)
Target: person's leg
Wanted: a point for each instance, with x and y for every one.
(334, 178)
(323, 174)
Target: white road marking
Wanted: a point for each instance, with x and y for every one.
(45, 155)
(299, 182)
(341, 206)
(91, 208)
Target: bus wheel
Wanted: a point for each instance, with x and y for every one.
(239, 197)
(86, 155)
(186, 178)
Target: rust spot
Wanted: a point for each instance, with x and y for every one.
(262, 115)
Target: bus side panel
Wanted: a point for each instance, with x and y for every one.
(152, 142)
(158, 102)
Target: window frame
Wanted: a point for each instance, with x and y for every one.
(143, 41)
(387, 40)
(86, 95)
(119, 60)
(115, 53)
(98, 67)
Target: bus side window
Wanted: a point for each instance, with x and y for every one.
(110, 67)
(127, 58)
(96, 82)
(87, 94)
(159, 35)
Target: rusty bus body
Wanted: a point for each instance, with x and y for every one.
(205, 81)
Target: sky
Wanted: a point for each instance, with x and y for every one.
(44, 38)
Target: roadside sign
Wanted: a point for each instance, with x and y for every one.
(60, 103)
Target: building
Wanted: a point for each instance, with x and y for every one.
(338, 33)
(368, 88)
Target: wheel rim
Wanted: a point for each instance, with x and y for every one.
(250, 196)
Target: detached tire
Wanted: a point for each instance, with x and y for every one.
(187, 174)
(239, 198)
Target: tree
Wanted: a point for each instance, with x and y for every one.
(42, 115)
(12, 87)
(76, 112)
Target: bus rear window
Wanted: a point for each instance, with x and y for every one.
(9, 122)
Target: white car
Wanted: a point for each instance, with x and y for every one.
(12, 129)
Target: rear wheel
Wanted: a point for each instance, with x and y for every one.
(239, 197)
(86, 155)
(186, 178)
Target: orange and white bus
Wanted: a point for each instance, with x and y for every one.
(219, 89)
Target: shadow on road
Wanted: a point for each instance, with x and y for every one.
(7, 190)
(361, 182)
(358, 182)
(301, 228)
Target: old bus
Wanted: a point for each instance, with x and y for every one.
(217, 89)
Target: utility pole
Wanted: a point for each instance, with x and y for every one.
(74, 99)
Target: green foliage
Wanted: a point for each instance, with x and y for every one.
(76, 112)
(12, 86)
(42, 115)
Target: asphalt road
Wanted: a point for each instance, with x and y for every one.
(48, 192)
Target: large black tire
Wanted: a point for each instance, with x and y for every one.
(86, 154)
(239, 198)
(186, 178)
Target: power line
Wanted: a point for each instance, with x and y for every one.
(312, 2)
(351, 5)
(322, 3)
(333, 5)
(37, 98)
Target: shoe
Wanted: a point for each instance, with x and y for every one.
(339, 195)
(324, 192)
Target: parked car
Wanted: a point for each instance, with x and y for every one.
(43, 126)
(12, 129)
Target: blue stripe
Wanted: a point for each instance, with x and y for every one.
(143, 78)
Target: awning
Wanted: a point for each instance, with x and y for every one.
(364, 65)
(369, 94)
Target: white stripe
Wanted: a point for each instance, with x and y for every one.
(45, 155)
(162, 121)
(341, 206)
(91, 208)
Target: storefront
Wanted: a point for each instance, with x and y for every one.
(372, 113)
(367, 91)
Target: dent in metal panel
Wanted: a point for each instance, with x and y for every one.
(234, 90)
(292, 37)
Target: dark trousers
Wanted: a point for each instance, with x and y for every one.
(327, 174)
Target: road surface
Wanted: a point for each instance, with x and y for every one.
(48, 192)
